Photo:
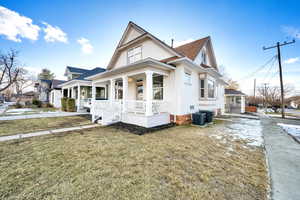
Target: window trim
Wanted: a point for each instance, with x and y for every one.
(202, 88)
(131, 49)
(214, 88)
(189, 82)
(158, 88)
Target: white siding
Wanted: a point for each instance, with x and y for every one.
(150, 49)
(55, 98)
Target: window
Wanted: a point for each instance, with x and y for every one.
(202, 88)
(187, 78)
(204, 57)
(158, 87)
(119, 90)
(211, 88)
(100, 93)
(134, 54)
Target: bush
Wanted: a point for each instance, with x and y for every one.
(18, 105)
(37, 102)
(71, 105)
(64, 104)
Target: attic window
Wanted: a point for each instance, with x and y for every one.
(204, 57)
(134, 54)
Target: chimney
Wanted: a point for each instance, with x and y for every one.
(172, 42)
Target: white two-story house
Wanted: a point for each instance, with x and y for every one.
(149, 83)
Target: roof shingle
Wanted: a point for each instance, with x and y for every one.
(192, 49)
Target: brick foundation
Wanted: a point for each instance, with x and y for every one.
(181, 119)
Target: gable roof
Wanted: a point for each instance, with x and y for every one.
(76, 70)
(192, 49)
(144, 33)
(56, 83)
(234, 92)
(92, 72)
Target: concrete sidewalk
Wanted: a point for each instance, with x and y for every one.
(41, 115)
(283, 155)
(39, 133)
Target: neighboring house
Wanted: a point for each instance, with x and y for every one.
(235, 101)
(77, 82)
(55, 93)
(294, 102)
(149, 83)
(42, 88)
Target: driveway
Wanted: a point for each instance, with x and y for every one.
(283, 154)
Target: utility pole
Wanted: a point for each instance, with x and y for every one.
(254, 87)
(278, 45)
(265, 94)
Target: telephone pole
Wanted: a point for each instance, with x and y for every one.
(254, 87)
(265, 94)
(278, 45)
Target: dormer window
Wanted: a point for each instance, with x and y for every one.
(204, 57)
(134, 54)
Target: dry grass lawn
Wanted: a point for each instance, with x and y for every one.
(11, 127)
(182, 162)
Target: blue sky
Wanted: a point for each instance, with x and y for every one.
(239, 30)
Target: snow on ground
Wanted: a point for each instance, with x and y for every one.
(291, 129)
(243, 129)
(19, 110)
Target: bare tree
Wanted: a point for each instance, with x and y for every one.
(9, 69)
(232, 85)
(24, 80)
(272, 94)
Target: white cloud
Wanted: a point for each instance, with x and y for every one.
(54, 34)
(291, 31)
(86, 46)
(291, 60)
(179, 43)
(14, 26)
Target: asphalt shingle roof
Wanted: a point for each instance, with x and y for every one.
(77, 70)
(232, 91)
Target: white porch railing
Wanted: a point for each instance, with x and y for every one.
(159, 107)
(135, 106)
(111, 111)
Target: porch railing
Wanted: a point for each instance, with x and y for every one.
(108, 110)
(135, 106)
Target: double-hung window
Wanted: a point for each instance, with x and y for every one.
(134, 54)
(187, 78)
(204, 57)
(158, 87)
(211, 87)
(118, 90)
(202, 88)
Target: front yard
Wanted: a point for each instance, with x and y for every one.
(182, 162)
(11, 127)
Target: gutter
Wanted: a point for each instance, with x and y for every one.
(147, 61)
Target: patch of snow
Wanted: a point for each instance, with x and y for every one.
(248, 130)
(19, 110)
(291, 129)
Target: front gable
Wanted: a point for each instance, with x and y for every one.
(133, 37)
(207, 49)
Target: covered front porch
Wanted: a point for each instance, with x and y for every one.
(81, 92)
(134, 97)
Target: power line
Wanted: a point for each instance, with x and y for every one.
(258, 69)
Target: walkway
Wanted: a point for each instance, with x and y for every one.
(41, 115)
(283, 155)
(39, 133)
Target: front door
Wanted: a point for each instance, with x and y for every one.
(139, 90)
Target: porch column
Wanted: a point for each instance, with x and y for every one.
(78, 98)
(93, 101)
(72, 95)
(149, 92)
(112, 90)
(68, 92)
(125, 91)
